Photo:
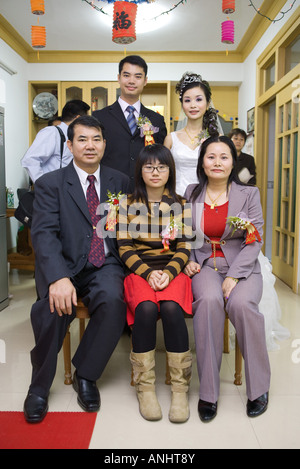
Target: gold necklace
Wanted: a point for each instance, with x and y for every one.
(213, 202)
(192, 139)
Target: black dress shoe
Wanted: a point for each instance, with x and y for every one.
(88, 394)
(35, 408)
(207, 410)
(258, 406)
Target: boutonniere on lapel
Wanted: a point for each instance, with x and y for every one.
(113, 203)
(170, 233)
(146, 129)
(240, 223)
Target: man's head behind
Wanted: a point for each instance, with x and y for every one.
(74, 108)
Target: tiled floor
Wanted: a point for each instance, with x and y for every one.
(119, 424)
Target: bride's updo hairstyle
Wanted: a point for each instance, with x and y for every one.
(192, 80)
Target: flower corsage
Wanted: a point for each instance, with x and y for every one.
(146, 129)
(113, 208)
(204, 135)
(239, 223)
(170, 233)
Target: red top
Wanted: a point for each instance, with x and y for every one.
(214, 224)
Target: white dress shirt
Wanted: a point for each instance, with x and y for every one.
(85, 184)
(84, 181)
(43, 155)
(124, 105)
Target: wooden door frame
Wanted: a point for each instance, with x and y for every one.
(264, 95)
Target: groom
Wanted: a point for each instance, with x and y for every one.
(72, 260)
(124, 141)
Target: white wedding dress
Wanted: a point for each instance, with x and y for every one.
(186, 161)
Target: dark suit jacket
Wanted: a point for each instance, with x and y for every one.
(242, 258)
(246, 161)
(122, 148)
(62, 228)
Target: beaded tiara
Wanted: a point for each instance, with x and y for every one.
(188, 79)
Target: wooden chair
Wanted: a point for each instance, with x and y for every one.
(238, 353)
(81, 314)
(226, 349)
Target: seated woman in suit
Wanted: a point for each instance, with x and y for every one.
(225, 270)
(153, 245)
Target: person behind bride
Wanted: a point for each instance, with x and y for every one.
(269, 303)
(229, 276)
(246, 168)
(195, 96)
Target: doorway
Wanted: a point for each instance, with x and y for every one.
(286, 189)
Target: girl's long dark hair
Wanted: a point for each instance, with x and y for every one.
(202, 178)
(149, 154)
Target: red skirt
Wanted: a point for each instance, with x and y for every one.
(137, 290)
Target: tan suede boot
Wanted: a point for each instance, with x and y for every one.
(180, 366)
(143, 365)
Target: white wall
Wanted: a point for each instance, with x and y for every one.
(216, 74)
(14, 99)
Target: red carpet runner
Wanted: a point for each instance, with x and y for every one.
(59, 430)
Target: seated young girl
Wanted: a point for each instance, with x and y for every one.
(153, 231)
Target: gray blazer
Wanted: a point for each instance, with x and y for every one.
(242, 258)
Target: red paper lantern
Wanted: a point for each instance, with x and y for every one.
(228, 32)
(124, 22)
(38, 36)
(37, 7)
(228, 6)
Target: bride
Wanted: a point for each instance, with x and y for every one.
(200, 122)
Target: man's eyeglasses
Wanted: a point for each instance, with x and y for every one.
(161, 168)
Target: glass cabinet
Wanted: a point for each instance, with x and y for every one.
(96, 94)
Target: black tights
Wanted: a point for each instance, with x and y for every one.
(174, 327)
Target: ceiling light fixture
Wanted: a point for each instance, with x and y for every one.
(150, 15)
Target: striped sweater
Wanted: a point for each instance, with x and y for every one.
(139, 236)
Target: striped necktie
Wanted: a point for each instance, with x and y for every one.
(131, 119)
(96, 254)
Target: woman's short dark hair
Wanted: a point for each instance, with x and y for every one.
(237, 131)
(149, 154)
(202, 178)
(87, 121)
